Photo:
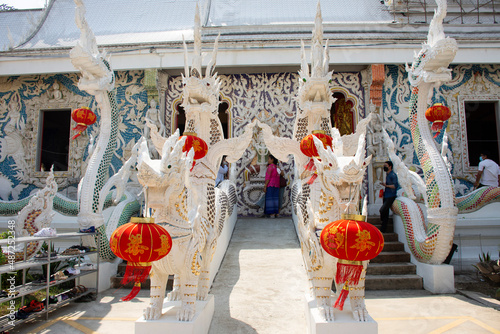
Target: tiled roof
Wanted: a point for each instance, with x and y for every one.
(19, 24)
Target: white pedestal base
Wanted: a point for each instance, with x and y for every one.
(343, 323)
(437, 278)
(168, 322)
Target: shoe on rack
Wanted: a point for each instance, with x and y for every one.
(46, 232)
(86, 266)
(91, 229)
(59, 276)
(71, 251)
(52, 300)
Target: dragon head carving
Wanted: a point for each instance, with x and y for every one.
(201, 93)
(314, 97)
(344, 173)
(166, 176)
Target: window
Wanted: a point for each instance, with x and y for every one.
(482, 122)
(54, 139)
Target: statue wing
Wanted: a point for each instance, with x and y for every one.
(281, 148)
(233, 148)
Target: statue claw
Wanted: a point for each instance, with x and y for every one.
(327, 312)
(359, 311)
(174, 295)
(186, 313)
(202, 295)
(152, 313)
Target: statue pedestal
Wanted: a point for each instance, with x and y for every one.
(168, 322)
(344, 321)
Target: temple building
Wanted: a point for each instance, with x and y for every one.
(259, 57)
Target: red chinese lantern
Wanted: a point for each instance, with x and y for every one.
(351, 240)
(307, 143)
(198, 144)
(83, 117)
(437, 114)
(139, 242)
(308, 147)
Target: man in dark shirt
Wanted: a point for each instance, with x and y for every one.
(390, 193)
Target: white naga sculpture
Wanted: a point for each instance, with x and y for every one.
(33, 217)
(429, 242)
(184, 196)
(340, 171)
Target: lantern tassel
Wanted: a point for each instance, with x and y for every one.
(138, 273)
(311, 180)
(310, 165)
(80, 128)
(339, 303)
(133, 293)
(348, 271)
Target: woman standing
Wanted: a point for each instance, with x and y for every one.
(223, 168)
(272, 188)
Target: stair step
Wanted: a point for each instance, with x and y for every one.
(393, 246)
(397, 268)
(393, 282)
(390, 236)
(387, 257)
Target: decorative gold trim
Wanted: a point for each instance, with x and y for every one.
(189, 134)
(354, 217)
(358, 263)
(142, 220)
(319, 131)
(139, 264)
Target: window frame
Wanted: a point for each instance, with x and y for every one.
(466, 166)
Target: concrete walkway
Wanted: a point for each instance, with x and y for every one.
(259, 289)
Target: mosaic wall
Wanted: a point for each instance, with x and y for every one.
(268, 97)
(469, 83)
(22, 98)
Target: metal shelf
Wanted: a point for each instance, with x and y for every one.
(28, 288)
(4, 320)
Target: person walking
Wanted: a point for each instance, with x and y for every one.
(390, 193)
(488, 172)
(272, 188)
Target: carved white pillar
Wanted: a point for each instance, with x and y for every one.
(162, 85)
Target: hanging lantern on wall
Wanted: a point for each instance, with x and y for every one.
(199, 146)
(351, 240)
(83, 117)
(308, 147)
(139, 242)
(437, 114)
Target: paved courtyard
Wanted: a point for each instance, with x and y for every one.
(260, 289)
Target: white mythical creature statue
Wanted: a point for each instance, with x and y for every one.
(429, 242)
(35, 216)
(94, 188)
(340, 171)
(184, 196)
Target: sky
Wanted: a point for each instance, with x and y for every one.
(24, 4)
